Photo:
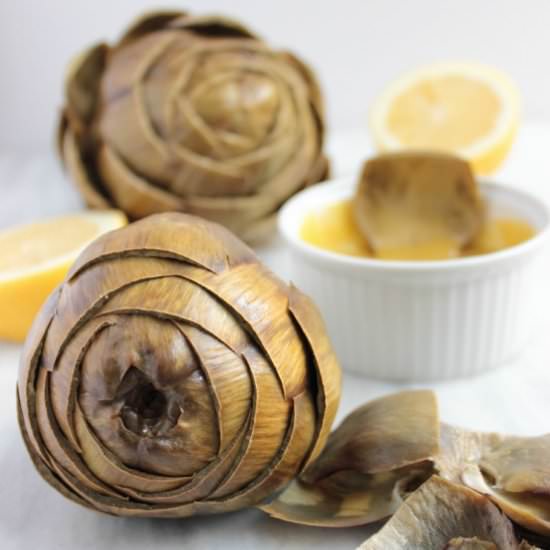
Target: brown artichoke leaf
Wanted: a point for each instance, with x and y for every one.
(473, 543)
(512, 471)
(284, 464)
(459, 448)
(328, 379)
(379, 454)
(415, 199)
(131, 192)
(150, 22)
(169, 236)
(384, 435)
(82, 86)
(84, 178)
(441, 514)
(216, 26)
(361, 500)
(520, 464)
(316, 96)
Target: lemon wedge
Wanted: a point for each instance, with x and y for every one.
(467, 109)
(35, 258)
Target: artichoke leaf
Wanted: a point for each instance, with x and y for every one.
(413, 199)
(149, 22)
(386, 434)
(441, 514)
(82, 86)
(377, 455)
(92, 191)
(512, 471)
(131, 192)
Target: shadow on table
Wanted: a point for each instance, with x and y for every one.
(32, 514)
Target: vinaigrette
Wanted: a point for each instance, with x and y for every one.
(333, 228)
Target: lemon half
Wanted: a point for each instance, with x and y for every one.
(468, 109)
(35, 258)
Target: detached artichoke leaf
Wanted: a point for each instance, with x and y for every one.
(168, 376)
(384, 435)
(413, 199)
(441, 514)
(346, 499)
(512, 471)
(379, 453)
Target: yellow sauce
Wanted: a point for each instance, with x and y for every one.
(333, 228)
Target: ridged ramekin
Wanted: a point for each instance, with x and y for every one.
(420, 320)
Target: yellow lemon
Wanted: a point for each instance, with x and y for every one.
(464, 108)
(35, 258)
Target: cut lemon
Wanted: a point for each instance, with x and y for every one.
(463, 108)
(35, 258)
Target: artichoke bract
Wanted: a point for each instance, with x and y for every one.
(192, 114)
(441, 514)
(172, 374)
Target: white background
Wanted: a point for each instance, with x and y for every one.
(357, 46)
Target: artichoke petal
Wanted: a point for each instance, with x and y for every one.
(328, 378)
(512, 471)
(438, 515)
(410, 199)
(378, 454)
(150, 22)
(81, 86)
(212, 26)
(84, 178)
(133, 194)
(382, 436)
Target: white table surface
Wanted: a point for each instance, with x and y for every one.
(515, 398)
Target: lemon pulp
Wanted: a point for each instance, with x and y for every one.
(449, 112)
(35, 258)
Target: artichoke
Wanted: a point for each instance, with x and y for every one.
(192, 114)
(172, 374)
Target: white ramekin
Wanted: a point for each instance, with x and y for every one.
(412, 320)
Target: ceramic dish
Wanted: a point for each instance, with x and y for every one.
(420, 320)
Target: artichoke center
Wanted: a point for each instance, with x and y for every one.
(246, 105)
(146, 410)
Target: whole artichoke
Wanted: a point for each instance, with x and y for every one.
(172, 374)
(192, 114)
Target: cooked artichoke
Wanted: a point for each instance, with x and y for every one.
(194, 114)
(442, 515)
(408, 200)
(172, 374)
